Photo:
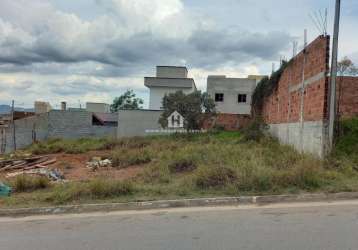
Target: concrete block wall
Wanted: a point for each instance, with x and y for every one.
(70, 124)
(297, 115)
(347, 96)
(27, 131)
(137, 122)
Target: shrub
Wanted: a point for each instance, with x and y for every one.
(24, 183)
(124, 158)
(210, 177)
(255, 131)
(347, 143)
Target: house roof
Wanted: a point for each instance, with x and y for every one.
(106, 117)
(175, 113)
(169, 82)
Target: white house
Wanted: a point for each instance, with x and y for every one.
(176, 120)
(232, 95)
(169, 79)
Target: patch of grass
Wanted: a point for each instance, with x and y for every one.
(228, 135)
(156, 173)
(182, 166)
(211, 177)
(83, 145)
(95, 189)
(67, 146)
(123, 158)
(25, 183)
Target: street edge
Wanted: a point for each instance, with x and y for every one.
(162, 204)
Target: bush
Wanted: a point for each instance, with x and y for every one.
(347, 143)
(211, 177)
(24, 183)
(124, 158)
(255, 131)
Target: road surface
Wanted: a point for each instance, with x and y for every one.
(287, 226)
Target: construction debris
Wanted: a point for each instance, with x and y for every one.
(97, 163)
(31, 166)
(26, 163)
(53, 175)
(4, 190)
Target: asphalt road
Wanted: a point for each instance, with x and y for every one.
(296, 226)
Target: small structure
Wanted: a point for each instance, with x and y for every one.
(98, 107)
(169, 79)
(105, 119)
(176, 120)
(42, 107)
(232, 95)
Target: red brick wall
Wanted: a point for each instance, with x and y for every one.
(347, 96)
(284, 105)
(229, 122)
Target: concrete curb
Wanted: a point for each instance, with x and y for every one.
(201, 202)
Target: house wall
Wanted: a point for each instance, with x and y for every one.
(347, 96)
(172, 72)
(157, 94)
(298, 116)
(231, 88)
(136, 122)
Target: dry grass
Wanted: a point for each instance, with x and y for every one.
(24, 183)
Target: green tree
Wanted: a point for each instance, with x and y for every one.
(346, 67)
(192, 107)
(126, 101)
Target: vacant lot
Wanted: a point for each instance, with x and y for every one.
(214, 164)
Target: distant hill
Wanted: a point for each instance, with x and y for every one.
(6, 109)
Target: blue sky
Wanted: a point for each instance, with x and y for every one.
(93, 50)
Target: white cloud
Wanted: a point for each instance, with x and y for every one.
(58, 55)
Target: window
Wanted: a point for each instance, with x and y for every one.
(219, 97)
(173, 121)
(242, 98)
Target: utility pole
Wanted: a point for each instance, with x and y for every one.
(13, 123)
(332, 88)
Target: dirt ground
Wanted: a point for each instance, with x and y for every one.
(74, 168)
